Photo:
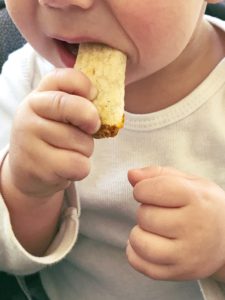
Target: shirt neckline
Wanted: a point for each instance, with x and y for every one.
(181, 109)
(186, 106)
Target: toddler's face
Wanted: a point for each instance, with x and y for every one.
(153, 33)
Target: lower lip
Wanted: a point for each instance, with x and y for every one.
(67, 58)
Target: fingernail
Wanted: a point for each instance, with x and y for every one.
(93, 92)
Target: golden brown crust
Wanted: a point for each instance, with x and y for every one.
(107, 131)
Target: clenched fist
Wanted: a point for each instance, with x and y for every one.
(180, 232)
(51, 140)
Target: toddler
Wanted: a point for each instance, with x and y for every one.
(151, 201)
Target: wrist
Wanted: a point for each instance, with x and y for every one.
(13, 196)
(34, 220)
(24, 206)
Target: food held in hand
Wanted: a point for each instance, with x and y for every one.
(105, 67)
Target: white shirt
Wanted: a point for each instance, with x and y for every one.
(188, 135)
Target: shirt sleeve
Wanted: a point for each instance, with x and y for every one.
(15, 259)
(20, 74)
(14, 86)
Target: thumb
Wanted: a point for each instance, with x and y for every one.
(137, 175)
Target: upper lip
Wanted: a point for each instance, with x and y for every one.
(84, 39)
(81, 39)
(76, 40)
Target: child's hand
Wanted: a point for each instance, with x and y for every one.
(51, 140)
(181, 225)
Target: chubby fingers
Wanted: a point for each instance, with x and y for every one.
(137, 175)
(155, 256)
(160, 258)
(66, 108)
(64, 136)
(162, 221)
(152, 247)
(63, 96)
(153, 267)
(164, 187)
(70, 81)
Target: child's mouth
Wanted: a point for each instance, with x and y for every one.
(67, 52)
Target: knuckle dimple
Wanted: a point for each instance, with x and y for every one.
(58, 105)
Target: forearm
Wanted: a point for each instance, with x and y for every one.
(34, 221)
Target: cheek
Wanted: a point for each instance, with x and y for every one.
(23, 15)
(161, 42)
(160, 35)
(26, 17)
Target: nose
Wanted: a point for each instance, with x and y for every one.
(85, 4)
